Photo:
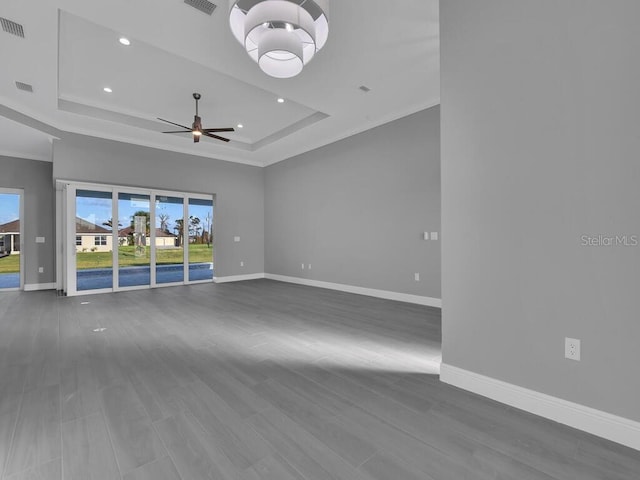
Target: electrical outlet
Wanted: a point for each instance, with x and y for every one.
(40, 269)
(242, 264)
(572, 348)
(416, 276)
(434, 235)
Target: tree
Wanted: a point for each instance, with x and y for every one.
(164, 221)
(194, 228)
(131, 236)
(207, 230)
(109, 223)
(179, 228)
(141, 213)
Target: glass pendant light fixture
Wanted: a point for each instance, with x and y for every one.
(282, 36)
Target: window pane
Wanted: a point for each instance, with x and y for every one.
(133, 240)
(9, 240)
(200, 238)
(169, 239)
(94, 261)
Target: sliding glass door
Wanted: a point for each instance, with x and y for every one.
(158, 238)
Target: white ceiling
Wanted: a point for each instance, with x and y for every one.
(18, 140)
(71, 51)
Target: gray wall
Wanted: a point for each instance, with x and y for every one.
(540, 146)
(39, 214)
(239, 189)
(356, 209)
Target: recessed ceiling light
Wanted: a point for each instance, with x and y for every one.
(240, 125)
(107, 89)
(281, 100)
(124, 41)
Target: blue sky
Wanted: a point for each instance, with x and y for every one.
(98, 210)
(9, 207)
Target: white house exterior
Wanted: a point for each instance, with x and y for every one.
(92, 238)
(10, 238)
(163, 238)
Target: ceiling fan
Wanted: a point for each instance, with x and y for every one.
(196, 129)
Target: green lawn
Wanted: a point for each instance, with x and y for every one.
(10, 264)
(127, 257)
(85, 260)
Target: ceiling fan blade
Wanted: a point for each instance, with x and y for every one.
(215, 136)
(173, 123)
(179, 131)
(210, 130)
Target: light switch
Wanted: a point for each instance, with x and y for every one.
(434, 235)
(236, 239)
(40, 269)
(39, 239)
(426, 235)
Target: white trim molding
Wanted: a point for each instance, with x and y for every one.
(31, 287)
(238, 278)
(606, 425)
(371, 292)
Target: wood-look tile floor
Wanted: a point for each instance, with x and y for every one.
(257, 380)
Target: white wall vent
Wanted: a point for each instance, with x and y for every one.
(12, 27)
(202, 5)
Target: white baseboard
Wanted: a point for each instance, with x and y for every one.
(606, 425)
(371, 292)
(238, 278)
(29, 287)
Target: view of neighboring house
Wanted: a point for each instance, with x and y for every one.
(163, 238)
(92, 238)
(10, 238)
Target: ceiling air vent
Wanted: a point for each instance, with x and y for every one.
(364, 88)
(202, 5)
(12, 27)
(24, 86)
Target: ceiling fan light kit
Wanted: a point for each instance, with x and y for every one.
(196, 127)
(282, 36)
